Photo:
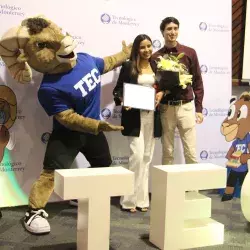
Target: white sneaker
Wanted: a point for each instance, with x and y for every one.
(35, 222)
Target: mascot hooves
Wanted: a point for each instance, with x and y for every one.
(36, 223)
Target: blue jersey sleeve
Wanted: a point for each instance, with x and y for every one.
(248, 142)
(52, 101)
(99, 62)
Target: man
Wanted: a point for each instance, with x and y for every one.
(177, 109)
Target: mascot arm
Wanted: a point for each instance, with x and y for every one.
(245, 157)
(76, 122)
(57, 106)
(116, 60)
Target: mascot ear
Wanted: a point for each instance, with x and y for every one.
(11, 44)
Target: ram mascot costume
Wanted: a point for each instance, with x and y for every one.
(70, 92)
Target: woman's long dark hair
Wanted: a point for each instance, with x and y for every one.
(134, 57)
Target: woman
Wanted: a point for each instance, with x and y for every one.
(140, 126)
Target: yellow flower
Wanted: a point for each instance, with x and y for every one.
(172, 63)
(186, 78)
(167, 64)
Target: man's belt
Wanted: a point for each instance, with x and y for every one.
(177, 102)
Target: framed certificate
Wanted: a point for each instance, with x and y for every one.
(138, 96)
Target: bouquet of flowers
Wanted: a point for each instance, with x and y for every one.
(172, 73)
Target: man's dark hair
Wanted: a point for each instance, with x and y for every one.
(168, 20)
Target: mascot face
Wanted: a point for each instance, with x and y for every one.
(48, 49)
(40, 44)
(237, 123)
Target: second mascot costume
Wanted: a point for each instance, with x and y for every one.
(70, 92)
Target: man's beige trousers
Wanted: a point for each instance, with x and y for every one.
(182, 117)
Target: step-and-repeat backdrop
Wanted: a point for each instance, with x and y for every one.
(100, 26)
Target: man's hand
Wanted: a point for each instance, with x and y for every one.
(107, 127)
(158, 98)
(199, 118)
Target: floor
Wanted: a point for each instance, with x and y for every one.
(128, 231)
(237, 90)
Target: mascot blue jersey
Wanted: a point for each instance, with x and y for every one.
(79, 89)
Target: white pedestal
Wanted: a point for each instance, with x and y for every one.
(201, 232)
(93, 188)
(180, 220)
(197, 206)
(245, 195)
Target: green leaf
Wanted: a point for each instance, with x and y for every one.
(180, 56)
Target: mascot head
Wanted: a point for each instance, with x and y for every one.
(237, 123)
(40, 44)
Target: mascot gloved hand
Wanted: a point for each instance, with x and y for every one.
(70, 92)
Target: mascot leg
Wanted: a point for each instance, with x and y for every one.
(62, 148)
(35, 218)
(231, 183)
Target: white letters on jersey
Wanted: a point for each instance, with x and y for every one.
(88, 82)
(241, 148)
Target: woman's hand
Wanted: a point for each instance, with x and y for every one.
(126, 108)
(121, 99)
